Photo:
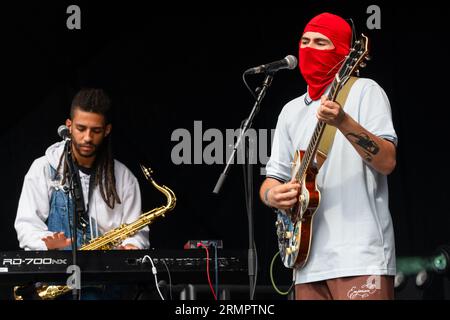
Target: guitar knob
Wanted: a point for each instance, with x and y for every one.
(288, 235)
(302, 198)
(288, 251)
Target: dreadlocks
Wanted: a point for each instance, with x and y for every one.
(97, 101)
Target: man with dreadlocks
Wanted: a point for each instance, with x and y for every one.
(111, 192)
(352, 253)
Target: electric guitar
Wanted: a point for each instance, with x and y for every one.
(294, 226)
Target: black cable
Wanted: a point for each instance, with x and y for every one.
(73, 189)
(71, 232)
(256, 271)
(216, 265)
(248, 183)
(170, 278)
(353, 30)
(248, 190)
(248, 87)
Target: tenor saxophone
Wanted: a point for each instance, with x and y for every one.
(112, 238)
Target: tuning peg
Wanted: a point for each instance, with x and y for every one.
(363, 65)
(357, 72)
(368, 58)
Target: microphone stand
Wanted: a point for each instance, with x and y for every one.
(75, 190)
(249, 181)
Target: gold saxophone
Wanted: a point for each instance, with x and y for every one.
(113, 238)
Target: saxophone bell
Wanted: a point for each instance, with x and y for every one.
(27, 292)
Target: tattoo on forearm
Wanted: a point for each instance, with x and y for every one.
(364, 141)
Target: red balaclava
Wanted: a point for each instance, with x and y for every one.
(319, 67)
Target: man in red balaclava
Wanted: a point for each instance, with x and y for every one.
(323, 47)
(352, 253)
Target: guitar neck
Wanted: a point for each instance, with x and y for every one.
(352, 61)
(317, 135)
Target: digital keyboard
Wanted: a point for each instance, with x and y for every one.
(185, 266)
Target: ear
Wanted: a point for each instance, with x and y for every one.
(108, 129)
(69, 125)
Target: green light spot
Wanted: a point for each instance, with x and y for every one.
(440, 262)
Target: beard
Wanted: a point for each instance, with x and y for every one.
(86, 150)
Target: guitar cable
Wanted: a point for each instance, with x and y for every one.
(283, 293)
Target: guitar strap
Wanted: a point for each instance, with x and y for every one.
(330, 131)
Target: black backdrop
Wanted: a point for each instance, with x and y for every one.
(165, 70)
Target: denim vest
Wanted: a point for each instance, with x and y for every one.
(61, 208)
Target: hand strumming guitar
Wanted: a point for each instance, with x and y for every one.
(280, 195)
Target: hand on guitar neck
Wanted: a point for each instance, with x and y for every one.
(279, 195)
(377, 152)
(330, 112)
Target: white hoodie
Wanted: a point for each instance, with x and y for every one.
(34, 203)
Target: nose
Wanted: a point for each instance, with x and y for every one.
(89, 136)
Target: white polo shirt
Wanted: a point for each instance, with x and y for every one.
(352, 229)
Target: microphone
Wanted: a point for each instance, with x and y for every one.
(64, 132)
(289, 62)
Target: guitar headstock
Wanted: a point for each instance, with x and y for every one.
(356, 59)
